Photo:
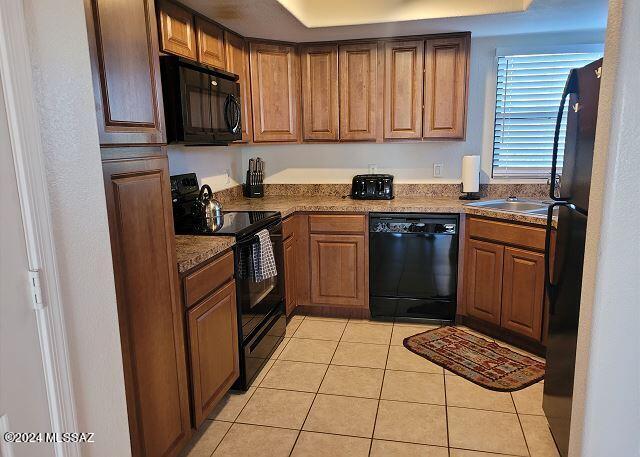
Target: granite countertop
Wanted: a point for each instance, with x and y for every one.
(192, 250)
(290, 204)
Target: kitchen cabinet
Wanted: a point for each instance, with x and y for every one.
(290, 274)
(445, 87)
(177, 32)
(523, 292)
(123, 47)
(149, 313)
(403, 85)
(338, 260)
(237, 61)
(483, 278)
(338, 269)
(210, 43)
(320, 113)
(503, 278)
(359, 98)
(275, 92)
(213, 349)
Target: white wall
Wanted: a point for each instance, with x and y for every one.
(219, 166)
(413, 162)
(62, 77)
(606, 403)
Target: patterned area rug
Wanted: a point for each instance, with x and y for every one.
(480, 361)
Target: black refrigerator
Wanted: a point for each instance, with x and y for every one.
(564, 261)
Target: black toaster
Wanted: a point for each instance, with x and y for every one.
(372, 187)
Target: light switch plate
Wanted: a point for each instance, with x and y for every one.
(437, 169)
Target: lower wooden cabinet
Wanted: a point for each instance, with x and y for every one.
(290, 274)
(149, 312)
(483, 280)
(523, 292)
(504, 276)
(338, 269)
(213, 349)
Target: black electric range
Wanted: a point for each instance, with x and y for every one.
(261, 317)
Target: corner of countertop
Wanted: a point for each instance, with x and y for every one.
(193, 250)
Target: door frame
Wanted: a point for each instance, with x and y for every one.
(29, 165)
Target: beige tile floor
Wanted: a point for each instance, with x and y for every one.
(340, 387)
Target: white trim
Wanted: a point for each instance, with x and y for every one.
(24, 129)
(6, 447)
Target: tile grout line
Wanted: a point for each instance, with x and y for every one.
(256, 389)
(520, 423)
(446, 412)
(316, 393)
(384, 375)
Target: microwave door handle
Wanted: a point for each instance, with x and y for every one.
(232, 109)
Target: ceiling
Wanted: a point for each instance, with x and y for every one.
(270, 19)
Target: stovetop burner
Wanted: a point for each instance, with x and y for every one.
(235, 223)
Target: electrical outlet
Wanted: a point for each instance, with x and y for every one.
(227, 174)
(373, 168)
(437, 169)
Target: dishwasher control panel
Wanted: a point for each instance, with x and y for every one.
(428, 224)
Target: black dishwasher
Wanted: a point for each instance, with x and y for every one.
(413, 266)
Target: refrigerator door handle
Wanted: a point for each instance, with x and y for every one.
(569, 89)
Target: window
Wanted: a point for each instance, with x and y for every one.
(528, 95)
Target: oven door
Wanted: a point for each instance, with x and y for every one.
(257, 300)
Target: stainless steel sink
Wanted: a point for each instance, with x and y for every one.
(515, 205)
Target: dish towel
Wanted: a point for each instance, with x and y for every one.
(264, 264)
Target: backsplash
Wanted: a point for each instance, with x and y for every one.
(538, 191)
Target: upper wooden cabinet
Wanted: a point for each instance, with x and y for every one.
(126, 77)
(177, 33)
(149, 311)
(445, 87)
(210, 39)
(320, 92)
(358, 68)
(403, 83)
(237, 61)
(275, 92)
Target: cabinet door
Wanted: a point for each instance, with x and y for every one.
(320, 92)
(290, 273)
(237, 61)
(445, 87)
(275, 92)
(123, 45)
(177, 35)
(210, 43)
(483, 280)
(523, 292)
(149, 313)
(213, 347)
(403, 83)
(358, 69)
(338, 270)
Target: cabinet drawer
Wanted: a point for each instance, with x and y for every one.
(347, 223)
(208, 278)
(504, 232)
(288, 227)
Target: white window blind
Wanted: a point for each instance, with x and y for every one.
(528, 95)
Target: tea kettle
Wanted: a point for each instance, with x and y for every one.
(207, 211)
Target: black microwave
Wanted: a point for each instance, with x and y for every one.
(201, 104)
